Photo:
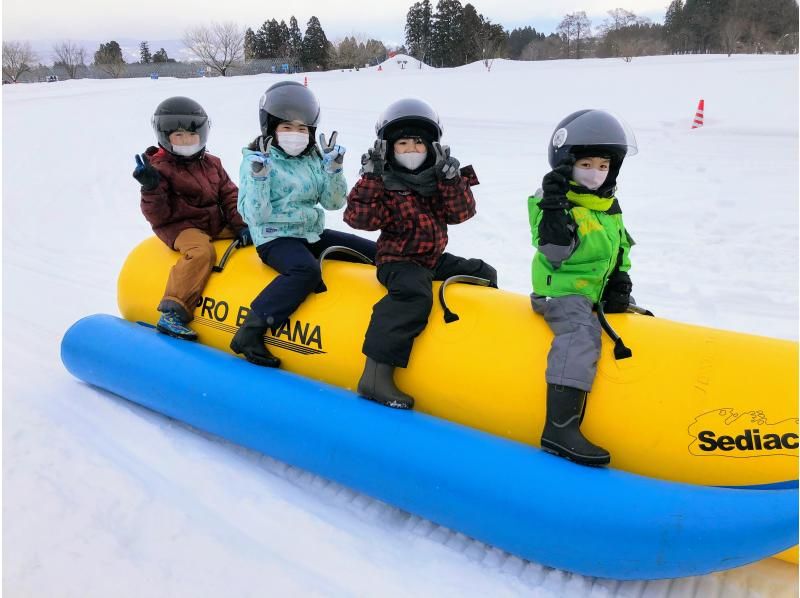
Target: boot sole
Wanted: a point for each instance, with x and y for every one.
(255, 360)
(183, 337)
(559, 451)
(393, 404)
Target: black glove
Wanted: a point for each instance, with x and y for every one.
(147, 176)
(557, 225)
(555, 185)
(244, 238)
(373, 162)
(446, 167)
(617, 295)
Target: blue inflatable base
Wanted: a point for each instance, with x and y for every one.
(596, 522)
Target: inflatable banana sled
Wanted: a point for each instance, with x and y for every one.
(692, 404)
(598, 522)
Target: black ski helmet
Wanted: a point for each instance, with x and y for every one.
(287, 101)
(180, 113)
(405, 114)
(591, 128)
(593, 133)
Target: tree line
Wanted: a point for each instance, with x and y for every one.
(452, 34)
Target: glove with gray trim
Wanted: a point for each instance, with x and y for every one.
(374, 161)
(446, 167)
(332, 154)
(260, 161)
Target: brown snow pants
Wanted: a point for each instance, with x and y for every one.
(188, 277)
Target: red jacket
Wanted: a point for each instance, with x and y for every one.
(413, 228)
(191, 194)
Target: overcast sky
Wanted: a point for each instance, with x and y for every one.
(105, 20)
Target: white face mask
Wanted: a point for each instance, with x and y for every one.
(292, 143)
(411, 160)
(186, 150)
(589, 177)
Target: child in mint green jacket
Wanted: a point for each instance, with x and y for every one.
(582, 259)
(285, 184)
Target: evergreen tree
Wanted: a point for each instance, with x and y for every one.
(161, 56)
(262, 35)
(295, 42)
(470, 46)
(108, 58)
(144, 53)
(674, 28)
(519, 38)
(283, 40)
(419, 27)
(447, 33)
(316, 47)
(249, 44)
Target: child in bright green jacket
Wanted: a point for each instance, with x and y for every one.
(582, 259)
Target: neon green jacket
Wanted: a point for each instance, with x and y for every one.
(601, 244)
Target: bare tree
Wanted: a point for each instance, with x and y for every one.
(218, 46)
(618, 18)
(18, 58)
(730, 33)
(69, 55)
(573, 28)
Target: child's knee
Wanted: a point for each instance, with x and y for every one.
(201, 253)
(309, 273)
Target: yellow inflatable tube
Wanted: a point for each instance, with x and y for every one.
(693, 404)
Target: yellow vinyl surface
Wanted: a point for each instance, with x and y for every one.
(693, 404)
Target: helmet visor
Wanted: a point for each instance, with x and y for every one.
(291, 103)
(596, 127)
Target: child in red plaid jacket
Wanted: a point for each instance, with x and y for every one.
(411, 188)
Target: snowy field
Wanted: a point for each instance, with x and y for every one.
(102, 498)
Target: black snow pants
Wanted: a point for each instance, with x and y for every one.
(402, 314)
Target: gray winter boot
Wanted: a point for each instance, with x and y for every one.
(249, 339)
(377, 384)
(562, 434)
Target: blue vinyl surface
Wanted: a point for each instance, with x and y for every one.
(597, 522)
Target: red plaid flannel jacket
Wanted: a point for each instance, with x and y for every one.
(413, 228)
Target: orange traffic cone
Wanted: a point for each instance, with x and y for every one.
(305, 83)
(698, 116)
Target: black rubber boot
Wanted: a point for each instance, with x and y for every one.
(249, 340)
(562, 434)
(377, 384)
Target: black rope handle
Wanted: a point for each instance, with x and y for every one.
(346, 250)
(221, 266)
(620, 350)
(640, 310)
(450, 316)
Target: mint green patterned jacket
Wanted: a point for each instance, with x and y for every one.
(287, 203)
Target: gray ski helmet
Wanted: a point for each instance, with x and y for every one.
(287, 101)
(591, 128)
(408, 112)
(179, 113)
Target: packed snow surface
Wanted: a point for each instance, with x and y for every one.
(103, 498)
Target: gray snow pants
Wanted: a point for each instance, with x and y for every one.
(573, 356)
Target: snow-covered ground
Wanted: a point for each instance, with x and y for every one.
(102, 498)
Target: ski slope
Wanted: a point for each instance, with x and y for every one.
(103, 498)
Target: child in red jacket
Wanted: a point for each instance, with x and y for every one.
(411, 188)
(189, 200)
